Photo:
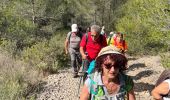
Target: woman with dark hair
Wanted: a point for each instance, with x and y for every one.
(108, 82)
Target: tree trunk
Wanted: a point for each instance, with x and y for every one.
(33, 11)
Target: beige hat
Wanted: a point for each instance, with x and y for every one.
(109, 50)
(74, 28)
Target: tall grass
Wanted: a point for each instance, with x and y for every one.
(15, 77)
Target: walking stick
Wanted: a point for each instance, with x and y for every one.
(81, 77)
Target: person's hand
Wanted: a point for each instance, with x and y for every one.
(84, 56)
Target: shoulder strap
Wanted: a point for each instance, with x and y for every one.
(86, 38)
(93, 83)
(128, 82)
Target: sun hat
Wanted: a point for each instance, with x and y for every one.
(111, 32)
(74, 28)
(109, 50)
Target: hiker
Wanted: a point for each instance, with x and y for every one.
(91, 44)
(72, 45)
(162, 89)
(120, 42)
(108, 82)
(111, 37)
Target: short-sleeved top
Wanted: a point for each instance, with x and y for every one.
(74, 40)
(168, 81)
(124, 86)
(121, 45)
(93, 47)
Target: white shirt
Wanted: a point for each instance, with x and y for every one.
(168, 81)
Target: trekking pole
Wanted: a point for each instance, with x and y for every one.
(81, 77)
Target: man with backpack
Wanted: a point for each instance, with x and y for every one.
(91, 43)
(72, 45)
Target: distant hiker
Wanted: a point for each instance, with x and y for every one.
(111, 37)
(103, 31)
(109, 82)
(72, 45)
(91, 43)
(162, 88)
(119, 42)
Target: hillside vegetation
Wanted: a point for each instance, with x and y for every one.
(33, 32)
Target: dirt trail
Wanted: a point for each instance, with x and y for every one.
(144, 71)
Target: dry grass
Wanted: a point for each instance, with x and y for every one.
(15, 77)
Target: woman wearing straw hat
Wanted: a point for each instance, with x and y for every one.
(109, 82)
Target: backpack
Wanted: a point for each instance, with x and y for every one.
(110, 38)
(164, 75)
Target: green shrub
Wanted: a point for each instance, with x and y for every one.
(15, 78)
(143, 22)
(47, 55)
(165, 59)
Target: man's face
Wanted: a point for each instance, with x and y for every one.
(94, 35)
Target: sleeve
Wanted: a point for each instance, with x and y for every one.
(168, 81)
(83, 41)
(87, 83)
(68, 35)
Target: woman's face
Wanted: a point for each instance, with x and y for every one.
(109, 69)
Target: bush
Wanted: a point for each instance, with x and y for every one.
(15, 78)
(143, 21)
(165, 59)
(47, 55)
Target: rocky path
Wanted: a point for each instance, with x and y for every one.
(144, 71)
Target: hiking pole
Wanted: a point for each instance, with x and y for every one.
(81, 77)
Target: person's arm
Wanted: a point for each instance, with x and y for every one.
(84, 56)
(161, 89)
(131, 95)
(66, 43)
(82, 46)
(66, 46)
(84, 93)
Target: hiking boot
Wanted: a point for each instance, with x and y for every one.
(75, 75)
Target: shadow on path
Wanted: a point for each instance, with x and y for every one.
(146, 73)
(139, 87)
(138, 65)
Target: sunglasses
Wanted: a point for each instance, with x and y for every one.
(109, 66)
